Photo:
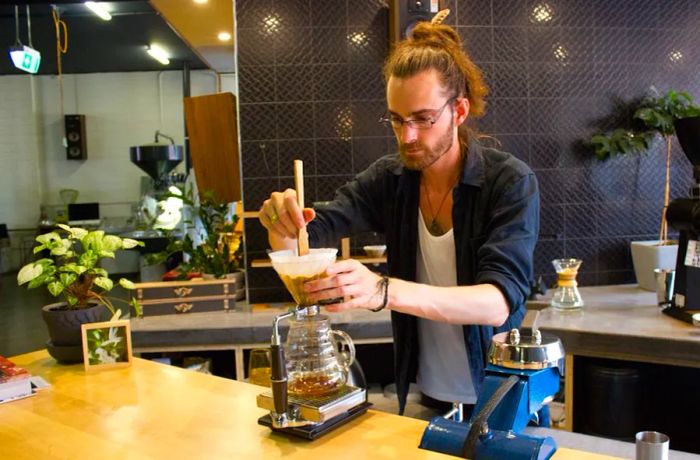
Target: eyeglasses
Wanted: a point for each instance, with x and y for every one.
(397, 122)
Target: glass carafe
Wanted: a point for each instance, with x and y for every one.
(566, 296)
(315, 367)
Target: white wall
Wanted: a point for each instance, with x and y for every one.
(121, 110)
(20, 165)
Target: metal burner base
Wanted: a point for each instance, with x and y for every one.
(319, 409)
(317, 430)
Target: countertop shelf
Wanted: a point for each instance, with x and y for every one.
(259, 263)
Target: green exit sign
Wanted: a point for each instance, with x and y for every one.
(25, 58)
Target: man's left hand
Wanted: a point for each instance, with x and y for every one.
(350, 280)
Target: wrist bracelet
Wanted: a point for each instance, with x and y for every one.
(383, 284)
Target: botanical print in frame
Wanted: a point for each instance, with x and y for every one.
(106, 344)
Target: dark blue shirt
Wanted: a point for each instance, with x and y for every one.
(495, 218)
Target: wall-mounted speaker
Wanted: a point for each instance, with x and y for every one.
(405, 14)
(76, 148)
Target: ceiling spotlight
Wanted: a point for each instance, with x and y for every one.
(561, 53)
(675, 56)
(358, 39)
(542, 13)
(99, 10)
(158, 54)
(271, 24)
(224, 36)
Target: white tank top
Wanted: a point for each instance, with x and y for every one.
(443, 363)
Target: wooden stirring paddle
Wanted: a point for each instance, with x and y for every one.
(303, 237)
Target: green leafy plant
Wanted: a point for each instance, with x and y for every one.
(220, 251)
(654, 116)
(72, 268)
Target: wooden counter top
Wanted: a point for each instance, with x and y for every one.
(154, 411)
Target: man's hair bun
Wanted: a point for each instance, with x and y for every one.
(436, 35)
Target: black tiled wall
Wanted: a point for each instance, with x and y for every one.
(311, 88)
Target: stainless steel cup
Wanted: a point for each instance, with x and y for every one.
(665, 279)
(651, 445)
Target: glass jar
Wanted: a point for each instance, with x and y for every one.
(566, 296)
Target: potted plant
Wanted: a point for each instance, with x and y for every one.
(71, 270)
(213, 246)
(653, 116)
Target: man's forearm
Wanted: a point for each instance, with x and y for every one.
(482, 304)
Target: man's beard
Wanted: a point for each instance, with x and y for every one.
(430, 155)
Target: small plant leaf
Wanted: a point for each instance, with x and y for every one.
(88, 259)
(40, 280)
(126, 284)
(136, 305)
(78, 233)
(48, 237)
(29, 272)
(55, 288)
(59, 251)
(67, 278)
(73, 267)
(111, 243)
(94, 239)
(128, 243)
(104, 283)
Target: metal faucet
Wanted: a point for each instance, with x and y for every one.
(284, 415)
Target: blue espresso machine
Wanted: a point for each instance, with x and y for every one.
(522, 376)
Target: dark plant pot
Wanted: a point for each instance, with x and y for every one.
(688, 134)
(65, 343)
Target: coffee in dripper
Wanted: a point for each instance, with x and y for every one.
(296, 270)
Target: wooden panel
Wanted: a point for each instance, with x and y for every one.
(213, 132)
(569, 392)
(199, 26)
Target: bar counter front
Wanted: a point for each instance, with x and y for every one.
(154, 411)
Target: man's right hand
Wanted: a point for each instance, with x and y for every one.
(281, 216)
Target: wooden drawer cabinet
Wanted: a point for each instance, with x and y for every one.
(185, 297)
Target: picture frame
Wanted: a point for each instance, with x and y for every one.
(106, 344)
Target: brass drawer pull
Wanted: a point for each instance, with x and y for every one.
(183, 307)
(182, 291)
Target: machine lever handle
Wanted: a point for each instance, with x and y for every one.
(480, 421)
(278, 378)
